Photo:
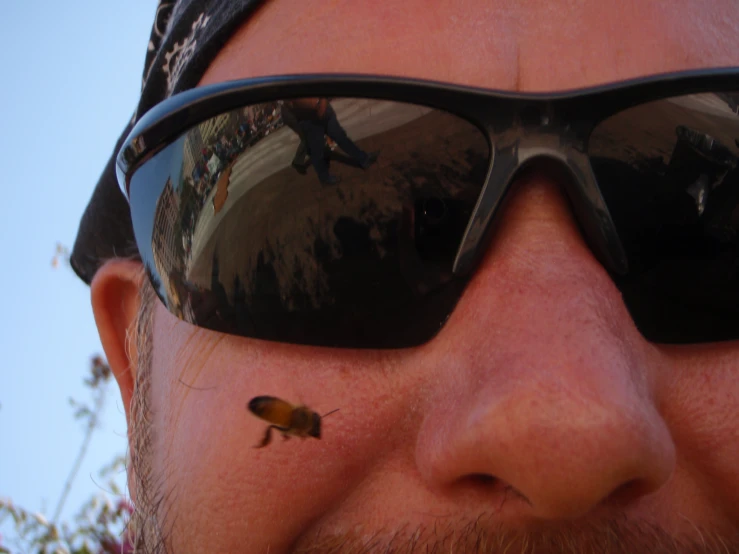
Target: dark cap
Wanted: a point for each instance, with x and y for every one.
(185, 38)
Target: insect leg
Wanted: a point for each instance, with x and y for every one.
(267, 437)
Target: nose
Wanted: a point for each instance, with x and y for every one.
(540, 381)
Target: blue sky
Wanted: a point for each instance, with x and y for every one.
(71, 78)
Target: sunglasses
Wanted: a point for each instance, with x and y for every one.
(351, 211)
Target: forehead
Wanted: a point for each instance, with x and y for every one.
(528, 45)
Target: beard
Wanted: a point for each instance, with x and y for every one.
(621, 536)
(611, 537)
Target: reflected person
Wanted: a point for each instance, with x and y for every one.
(300, 158)
(316, 120)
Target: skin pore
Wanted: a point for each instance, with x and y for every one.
(538, 419)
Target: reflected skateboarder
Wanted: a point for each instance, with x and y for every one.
(300, 159)
(316, 118)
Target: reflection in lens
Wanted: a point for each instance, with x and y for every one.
(434, 210)
(668, 172)
(315, 221)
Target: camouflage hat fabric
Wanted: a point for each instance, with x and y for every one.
(185, 37)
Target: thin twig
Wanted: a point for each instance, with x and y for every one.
(91, 425)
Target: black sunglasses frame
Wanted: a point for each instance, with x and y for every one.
(519, 128)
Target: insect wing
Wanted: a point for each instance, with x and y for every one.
(272, 409)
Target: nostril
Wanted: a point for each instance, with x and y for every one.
(482, 479)
(490, 485)
(627, 492)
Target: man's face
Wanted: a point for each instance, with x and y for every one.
(538, 413)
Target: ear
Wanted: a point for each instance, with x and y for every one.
(115, 304)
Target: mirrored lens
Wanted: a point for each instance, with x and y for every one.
(668, 172)
(312, 220)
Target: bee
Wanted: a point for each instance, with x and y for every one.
(299, 421)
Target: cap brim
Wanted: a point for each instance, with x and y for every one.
(105, 228)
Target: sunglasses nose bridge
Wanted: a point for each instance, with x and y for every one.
(520, 150)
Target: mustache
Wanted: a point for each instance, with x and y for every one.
(614, 536)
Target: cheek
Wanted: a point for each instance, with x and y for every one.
(211, 474)
(700, 408)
